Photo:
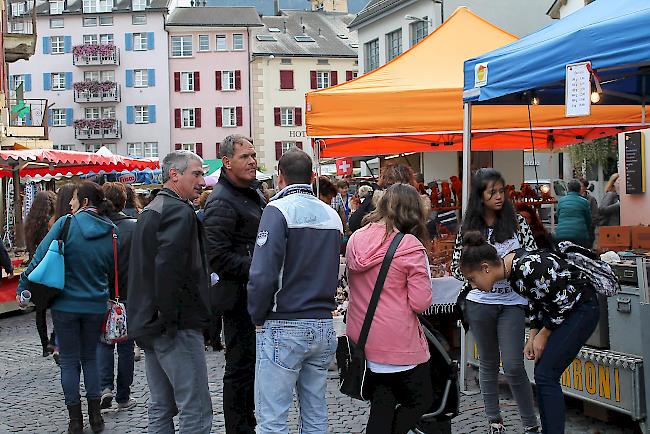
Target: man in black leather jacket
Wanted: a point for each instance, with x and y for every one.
(232, 217)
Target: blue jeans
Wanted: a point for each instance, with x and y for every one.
(78, 335)
(562, 346)
(125, 362)
(178, 383)
(293, 354)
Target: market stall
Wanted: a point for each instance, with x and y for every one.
(41, 164)
(413, 104)
(613, 71)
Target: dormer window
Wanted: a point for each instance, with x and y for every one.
(57, 7)
(138, 5)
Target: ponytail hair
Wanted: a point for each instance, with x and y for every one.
(477, 250)
(95, 195)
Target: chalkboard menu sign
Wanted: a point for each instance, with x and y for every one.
(634, 163)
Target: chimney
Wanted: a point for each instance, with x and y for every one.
(340, 6)
(276, 7)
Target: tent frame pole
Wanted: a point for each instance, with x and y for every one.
(19, 234)
(467, 157)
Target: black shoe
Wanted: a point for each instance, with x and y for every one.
(57, 358)
(76, 423)
(217, 347)
(106, 399)
(95, 415)
(46, 352)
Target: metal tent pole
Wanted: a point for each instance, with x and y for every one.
(19, 240)
(467, 153)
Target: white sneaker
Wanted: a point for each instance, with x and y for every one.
(107, 399)
(497, 428)
(137, 354)
(127, 405)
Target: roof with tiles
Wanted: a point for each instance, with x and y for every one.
(373, 9)
(73, 7)
(306, 34)
(214, 16)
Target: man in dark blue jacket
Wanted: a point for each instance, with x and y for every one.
(291, 289)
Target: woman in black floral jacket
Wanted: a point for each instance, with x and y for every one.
(563, 310)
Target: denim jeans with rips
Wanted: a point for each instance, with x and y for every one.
(293, 354)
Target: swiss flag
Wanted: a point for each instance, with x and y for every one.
(344, 166)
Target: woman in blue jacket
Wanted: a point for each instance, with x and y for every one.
(78, 310)
(574, 217)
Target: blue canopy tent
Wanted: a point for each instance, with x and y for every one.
(614, 35)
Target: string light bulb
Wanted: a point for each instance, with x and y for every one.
(595, 97)
(535, 100)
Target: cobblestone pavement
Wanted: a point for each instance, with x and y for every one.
(31, 400)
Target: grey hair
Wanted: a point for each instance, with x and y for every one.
(178, 160)
(227, 148)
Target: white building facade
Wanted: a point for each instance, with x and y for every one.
(101, 65)
(294, 53)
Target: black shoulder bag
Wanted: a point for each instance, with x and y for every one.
(352, 373)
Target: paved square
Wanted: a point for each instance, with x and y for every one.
(31, 399)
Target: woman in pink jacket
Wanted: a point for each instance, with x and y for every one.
(396, 350)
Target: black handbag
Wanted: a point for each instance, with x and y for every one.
(42, 295)
(224, 295)
(353, 372)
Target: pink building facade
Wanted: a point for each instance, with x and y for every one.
(209, 89)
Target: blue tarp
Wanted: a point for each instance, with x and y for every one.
(609, 33)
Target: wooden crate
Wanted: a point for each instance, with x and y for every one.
(614, 238)
(640, 237)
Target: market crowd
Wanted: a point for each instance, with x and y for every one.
(260, 267)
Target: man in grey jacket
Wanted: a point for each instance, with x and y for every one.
(291, 289)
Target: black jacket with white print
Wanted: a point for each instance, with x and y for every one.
(524, 236)
(552, 290)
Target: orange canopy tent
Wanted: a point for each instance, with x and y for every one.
(414, 104)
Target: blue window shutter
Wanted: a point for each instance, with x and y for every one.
(68, 116)
(150, 44)
(152, 114)
(129, 78)
(67, 44)
(47, 81)
(68, 80)
(28, 82)
(12, 80)
(28, 118)
(50, 121)
(151, 78)
(46, 45)
(130, 114)
(128, 41)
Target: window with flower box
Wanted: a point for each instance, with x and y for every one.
(106, 39)
(91, 39)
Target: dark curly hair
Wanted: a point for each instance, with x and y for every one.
(38, 218)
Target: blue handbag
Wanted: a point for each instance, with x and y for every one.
(48, 277)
